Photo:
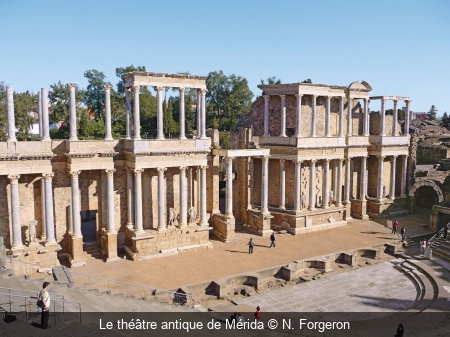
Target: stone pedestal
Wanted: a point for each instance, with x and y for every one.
(111, 247)
(223, 227)
(76, 252)
(359, 209)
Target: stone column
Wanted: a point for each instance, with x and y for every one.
(111, 228)
(199, 114)
(183, 199)
(392, 183)
(283, 116)
(43, 234)
(203, 113)
(366, 117)
(72, 112)
(327, 116)
(11, 119)
(45, 122)
(76, 218)
(182, 114)
(380, 177)
(199, 187)
(49, 219)
(265, 184)
(349, 117)
(363, 182)
(298, 124)
(313, 115)
(326, 184)
(190, 188)
(159, 113)
(130, 202)
(297, 185)
(266, 115)
(394, 127)
(138, 225)
(407, 117)
(40, 114)
(312, 184)
(15, 212)
(203, 221)
(108, 134)
(382, 117)
(404, 175)
(229, 190)
(282, 204)
(339, 184)
(128, 112)
(348, 163)
(137, 117)
(162, 225)
(341, 117)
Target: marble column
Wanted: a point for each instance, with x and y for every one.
(128, 112)
(341, 117)
(40, 114)
(339, 184)
(327, 116)
(159, 113)
(162, 225)
(313, 115)
(43, 234)
(49, 218)
(72, 112)
(366, 117)
(347, 187)
(199, 114)
(282, 204)
(265, 184)
(76, 204)
(298, 124)
(203, 113)
(297, 185)
(137, 115)
(363, 181)
(45, 121)
(182, 114)
(229, 190)
(203, 221)
(312, 185)
(10, 115)
(382, 117)
(404, 175)
(392, 183)
(110, 227)
(349, 116)
(283, 116)
(108, 134)
(183, 199)
(130, 201)
(199, 188)
(326, 184)
(15, 212)
(266, 115)
(190, 189)
(407, 117)
(138, 225)
(380, 177)
(394, 127)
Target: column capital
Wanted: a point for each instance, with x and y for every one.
(266, 97)
(74, 174)
(282, 161)
(107, 87)
(328, 97)
(48, 176)
(313, 161)
(297, 162)
(229, 160)
(395, 101)
(203, 168)
(383, 100)
(340, 160)
(182, 90)
(381, 157)
(406, 156)
(158, 89)
(183, 169)
(14, 178)
(282, 96)
(394, 157)
(110, 172)
(366, 99)
(72, 85)
(128, 89)
(137, 172)
(265, 159)
(326, 160)
(203, 91)
(136, 89)
(299, 96)
(314, 96)
(161, 170)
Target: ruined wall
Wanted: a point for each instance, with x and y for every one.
(427, 155)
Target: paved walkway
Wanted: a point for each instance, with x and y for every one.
(379, 288)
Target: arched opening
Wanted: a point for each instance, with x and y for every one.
(425, 196)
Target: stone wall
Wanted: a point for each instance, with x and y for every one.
(427, 155)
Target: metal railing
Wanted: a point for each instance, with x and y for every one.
(439, 233)
(12, 290)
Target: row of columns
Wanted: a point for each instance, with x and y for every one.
(201, 113)
(395, 126)
(392, 176)
(135, 204)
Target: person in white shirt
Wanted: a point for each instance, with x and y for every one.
(44, 296)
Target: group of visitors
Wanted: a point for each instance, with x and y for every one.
(402, 231)
(251, 243)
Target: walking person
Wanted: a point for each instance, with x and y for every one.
(400, 331)
(45, 298)
(272, 241)
(403, 233)
(251, 244)
(257, 315)
(394, 227)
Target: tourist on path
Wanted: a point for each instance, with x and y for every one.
(394, 227)
(403, 233)
(251, 244)
(45, 298)
(400, 331)
(257, 314)
(272, 240)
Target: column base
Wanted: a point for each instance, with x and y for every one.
(182, 225)
(161, 229)
(283, 208)
(50, 243)
(109, 245)
(139, 231)
(17, 246)
(76, 258)
(182, 138)
(129, 226)
(160, 137)
(109, 138)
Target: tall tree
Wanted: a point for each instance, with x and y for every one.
(445, 120)
(95, 93)
(123, 70)
(431, 115)
(3, 132)
(59, 102)
(25, 106)
(272, 80)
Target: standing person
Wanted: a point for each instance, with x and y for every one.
(394, 227)
(403, 233)
(257, 315)
(251, 244)
(400, 331)
(272, 240)
(45, 298)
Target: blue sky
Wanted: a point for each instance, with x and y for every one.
(399, 47)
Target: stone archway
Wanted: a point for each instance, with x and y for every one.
(417, 185)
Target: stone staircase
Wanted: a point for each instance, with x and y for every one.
(92, 251)
(441, 247)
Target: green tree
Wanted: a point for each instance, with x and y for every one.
(3, 131)
(431, 115)
(95, 93)
(25, 105)
(445, 120)
(123, 70)
(308, 80)
(170, 125)
(272, 80)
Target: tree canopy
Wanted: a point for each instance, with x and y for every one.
(431, 114)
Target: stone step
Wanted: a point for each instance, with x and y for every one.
(442, 254)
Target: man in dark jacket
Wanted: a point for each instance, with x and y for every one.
(272, 240)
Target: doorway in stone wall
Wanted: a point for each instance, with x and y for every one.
(89, 226)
